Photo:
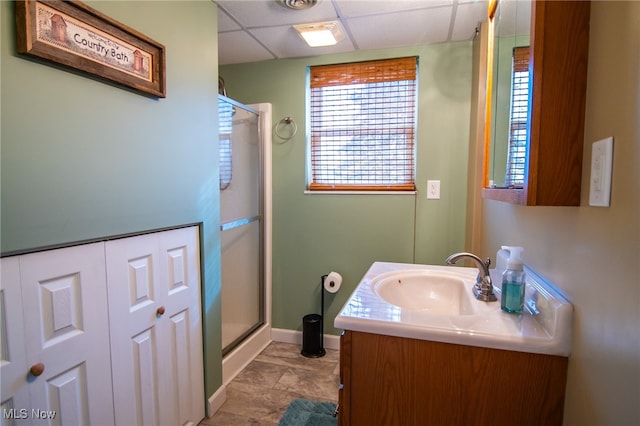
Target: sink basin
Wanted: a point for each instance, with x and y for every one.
(436, 302)
(430, 291)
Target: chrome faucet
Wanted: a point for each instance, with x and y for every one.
(483, 289)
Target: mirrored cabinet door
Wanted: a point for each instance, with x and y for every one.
(536, 83)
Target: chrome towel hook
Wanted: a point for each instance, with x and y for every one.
(284, 123)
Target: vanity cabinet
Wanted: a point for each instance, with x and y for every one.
(558, 60)
(387, 380)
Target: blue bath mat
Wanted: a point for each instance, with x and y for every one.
(304, 412)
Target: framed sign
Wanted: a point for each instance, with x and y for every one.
(76, 36)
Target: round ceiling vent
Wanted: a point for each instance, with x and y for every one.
(298, 4)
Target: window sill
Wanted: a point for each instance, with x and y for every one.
(359, 192)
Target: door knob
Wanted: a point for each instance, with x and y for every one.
(37, 369)
(160, 311)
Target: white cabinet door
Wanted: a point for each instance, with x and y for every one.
(156, 328)
(133, 268)
(13, 365)
(66, 327)
(181, 292)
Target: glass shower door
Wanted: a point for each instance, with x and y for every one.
(242, 222)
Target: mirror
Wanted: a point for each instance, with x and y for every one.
(508, 100)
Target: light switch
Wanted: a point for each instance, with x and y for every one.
(433, 189)
(601, 167)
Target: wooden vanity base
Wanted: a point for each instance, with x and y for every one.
(398, 381)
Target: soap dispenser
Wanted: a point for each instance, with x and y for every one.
(513, 282)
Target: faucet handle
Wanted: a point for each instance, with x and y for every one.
(487, 263)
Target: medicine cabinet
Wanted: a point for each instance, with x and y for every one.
(536, 92)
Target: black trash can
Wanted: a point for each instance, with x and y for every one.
(312, 344)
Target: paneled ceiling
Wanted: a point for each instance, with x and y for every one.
(259, 30)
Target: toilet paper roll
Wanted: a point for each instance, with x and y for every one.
(333, 282)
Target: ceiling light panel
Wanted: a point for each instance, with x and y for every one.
(321, 33)
(285, 43)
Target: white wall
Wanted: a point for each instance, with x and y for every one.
(593, 253)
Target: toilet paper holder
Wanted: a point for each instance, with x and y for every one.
(312, 343)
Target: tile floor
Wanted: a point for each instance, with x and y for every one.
(260, 394)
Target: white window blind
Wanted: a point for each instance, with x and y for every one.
(518, 119)
(362, 122)
(225, 124)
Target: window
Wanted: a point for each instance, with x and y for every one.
(518, 118)
(362, 125)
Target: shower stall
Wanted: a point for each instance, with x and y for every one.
(245, 209)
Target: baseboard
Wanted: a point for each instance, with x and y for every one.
(295, 337)
(234, 362)
(216, 400)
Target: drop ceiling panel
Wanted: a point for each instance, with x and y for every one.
(265, 13)
(355, 8)
(238, 46)
(225, 23)
(423, 26)
(468, 16)
(256, 30)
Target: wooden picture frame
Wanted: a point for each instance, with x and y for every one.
(76, 36)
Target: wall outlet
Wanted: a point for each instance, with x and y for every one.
(433, 189)
(601, 167)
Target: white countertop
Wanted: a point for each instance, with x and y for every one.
(547, 332)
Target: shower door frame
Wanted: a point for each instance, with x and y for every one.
(263, 214)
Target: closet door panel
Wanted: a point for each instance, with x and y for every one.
(66, 327)
(132, 275)
(13, 365)
(180, 295)
(156, 327)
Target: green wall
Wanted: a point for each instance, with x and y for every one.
(314, 234)
(82, 159)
